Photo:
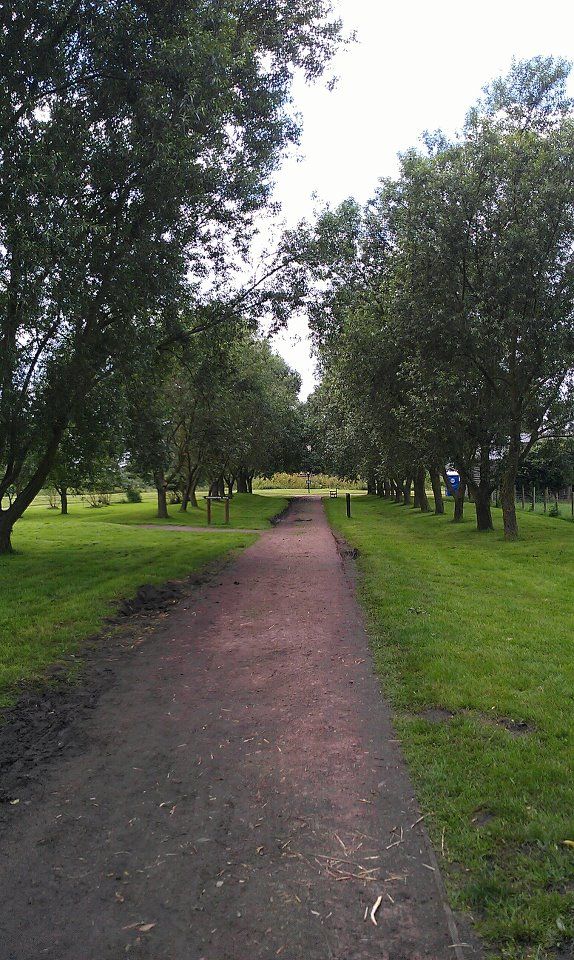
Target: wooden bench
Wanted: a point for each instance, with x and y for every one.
(334, 493)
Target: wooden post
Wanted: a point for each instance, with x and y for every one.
(348, 499)
(545, 498)
(227, 511)
(533, 497)
(523, 496)
(208, 502)
(572, 500)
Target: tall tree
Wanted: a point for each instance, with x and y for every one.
(134, 135)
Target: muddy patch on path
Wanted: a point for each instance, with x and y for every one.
(47, 721)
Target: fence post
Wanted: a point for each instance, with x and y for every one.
(348, 500)
(523, 496)
(572, 499)
(533, 497)
(227, 511)
(545, 498)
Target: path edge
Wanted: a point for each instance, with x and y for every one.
(348, 556)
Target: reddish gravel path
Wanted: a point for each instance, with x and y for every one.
(240, 776)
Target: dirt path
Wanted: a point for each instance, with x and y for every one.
(237, 778)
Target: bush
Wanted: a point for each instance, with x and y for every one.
(133, 495)
(296, 481)
(554, 511)
(98, 498)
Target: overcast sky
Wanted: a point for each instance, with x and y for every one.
(415, 66)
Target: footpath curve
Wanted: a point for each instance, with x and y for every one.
(241, 795)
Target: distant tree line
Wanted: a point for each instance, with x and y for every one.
(223, 411)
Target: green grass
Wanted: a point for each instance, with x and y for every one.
(302, 492)
(246, 510)
(482, 628)
(67, 573)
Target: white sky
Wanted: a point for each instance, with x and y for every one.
(415, 65)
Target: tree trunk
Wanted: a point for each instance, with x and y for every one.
(371, 486)
(407, 491)
(387, 492)
(481, 497)
(241, 482)
(508, 500)
(436, 490)
(230, 486)
(379, 488)
(161, 487)
(420, 490)
(32, 488)
(416, 491)
(250, 483)
(459, 503)
(399, 490)
(162, 502)
(185, 496)
(63, 500)
(457, 495)
(6, 524)
(188, 493)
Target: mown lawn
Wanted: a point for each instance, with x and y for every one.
(246, 510)
(67, 573)
(474, 641)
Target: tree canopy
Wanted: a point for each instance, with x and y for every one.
(443, 312)
(138, 140)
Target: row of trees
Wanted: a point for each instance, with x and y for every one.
(137, 144)
(227, 410)
(224, 410)
(443, 311)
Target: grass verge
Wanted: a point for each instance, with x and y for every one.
(246, 510)
(472, 638)
(68, 571)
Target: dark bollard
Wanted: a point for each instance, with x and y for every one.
(348, 499)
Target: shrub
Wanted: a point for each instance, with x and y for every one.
(296, 481)
(133, 495)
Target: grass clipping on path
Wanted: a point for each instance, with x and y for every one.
(62, 582)
(474, 644)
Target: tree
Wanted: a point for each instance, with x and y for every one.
(228, 410)
(135, 137)
(445, 309)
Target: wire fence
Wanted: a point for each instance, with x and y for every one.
(543, 500)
